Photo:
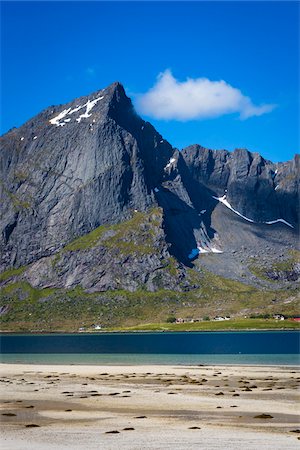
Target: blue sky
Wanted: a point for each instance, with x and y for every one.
(53, 52)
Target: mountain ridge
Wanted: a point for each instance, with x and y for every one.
(94, 197)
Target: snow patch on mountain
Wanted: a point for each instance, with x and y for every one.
(56, 120)
(228, 205)
(170, 163)
(279, 220)
(60, 120)
(89, 106)
(202, 249)
(76, 109)
(215, 250)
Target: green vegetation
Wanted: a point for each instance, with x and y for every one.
(259, 272)
(25, 308)
(12, 273)
(134, 235)
(219, 295)
(53, 309)
(288, 264)
(234, 324)
(171, 319)
(30, 309)
(22, 290)
(87, 241)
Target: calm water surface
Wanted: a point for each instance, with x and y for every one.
(249, 347)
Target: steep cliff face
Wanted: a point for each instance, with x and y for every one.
(93, 196)
(258, 189)
(250, 207)
(131, 255)
(73, 168)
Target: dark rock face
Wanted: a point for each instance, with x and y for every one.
(259, 189)
(286, 275)
(93, 162)
(64, 179)
(130, 256)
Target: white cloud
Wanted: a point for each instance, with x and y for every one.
(198, 98)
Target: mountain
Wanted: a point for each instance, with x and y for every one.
(93, 198)
(254, 211)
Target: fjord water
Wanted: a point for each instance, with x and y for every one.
(249, 347)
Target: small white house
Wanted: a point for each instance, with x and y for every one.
(278, 317)
(179, 320)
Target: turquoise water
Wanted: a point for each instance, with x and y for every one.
(243, 347)
(140, 359)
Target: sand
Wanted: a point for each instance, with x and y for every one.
(149, 407)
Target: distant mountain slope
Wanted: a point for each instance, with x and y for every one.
(258, 189)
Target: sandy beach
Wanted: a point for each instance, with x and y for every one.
(149, 407)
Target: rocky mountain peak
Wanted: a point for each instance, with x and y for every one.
(117, 89)
(94, 163)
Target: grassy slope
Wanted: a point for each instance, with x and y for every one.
(27, 308)
(54, 310)
(126, 236)
(234, 324)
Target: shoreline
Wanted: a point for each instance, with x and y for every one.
(101, 332)
(166, 365)
(131, 406)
